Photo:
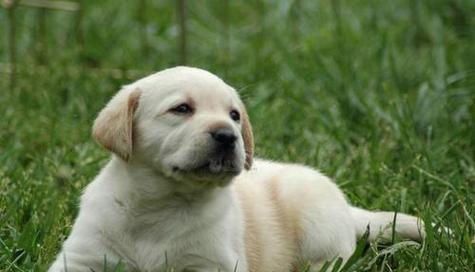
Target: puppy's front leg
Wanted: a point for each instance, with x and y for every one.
(203, 269)
(195, 263)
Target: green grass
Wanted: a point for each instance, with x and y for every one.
(379, 95)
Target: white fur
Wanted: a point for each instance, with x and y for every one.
(144, 213)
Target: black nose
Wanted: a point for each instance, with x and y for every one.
(224, 136)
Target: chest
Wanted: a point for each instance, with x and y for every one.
(175, 239)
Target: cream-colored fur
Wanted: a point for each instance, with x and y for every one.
(170, 198)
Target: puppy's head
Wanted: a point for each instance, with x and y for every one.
(184, 122)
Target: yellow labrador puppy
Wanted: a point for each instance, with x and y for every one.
(182, 191)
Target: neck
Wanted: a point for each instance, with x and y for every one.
(148, 185)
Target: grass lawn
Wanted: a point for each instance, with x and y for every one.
(379, 95)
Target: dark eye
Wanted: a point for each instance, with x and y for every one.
(234, 114)
(182, 109)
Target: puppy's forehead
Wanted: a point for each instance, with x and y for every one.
(192, 83)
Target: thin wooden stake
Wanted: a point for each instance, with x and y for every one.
(11, 8)
(181, 20)
(226, 38)
(40, 44)
(143, 28)
(78, 33)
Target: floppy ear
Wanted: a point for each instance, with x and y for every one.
(113, 126)
(248, 138)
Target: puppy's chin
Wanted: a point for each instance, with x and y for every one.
(207, 174)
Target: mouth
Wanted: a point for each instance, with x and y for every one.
(212, 167)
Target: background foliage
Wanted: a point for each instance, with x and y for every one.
(379, 95)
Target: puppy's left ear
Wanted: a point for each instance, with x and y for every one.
(113, 127)
(248, 138)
